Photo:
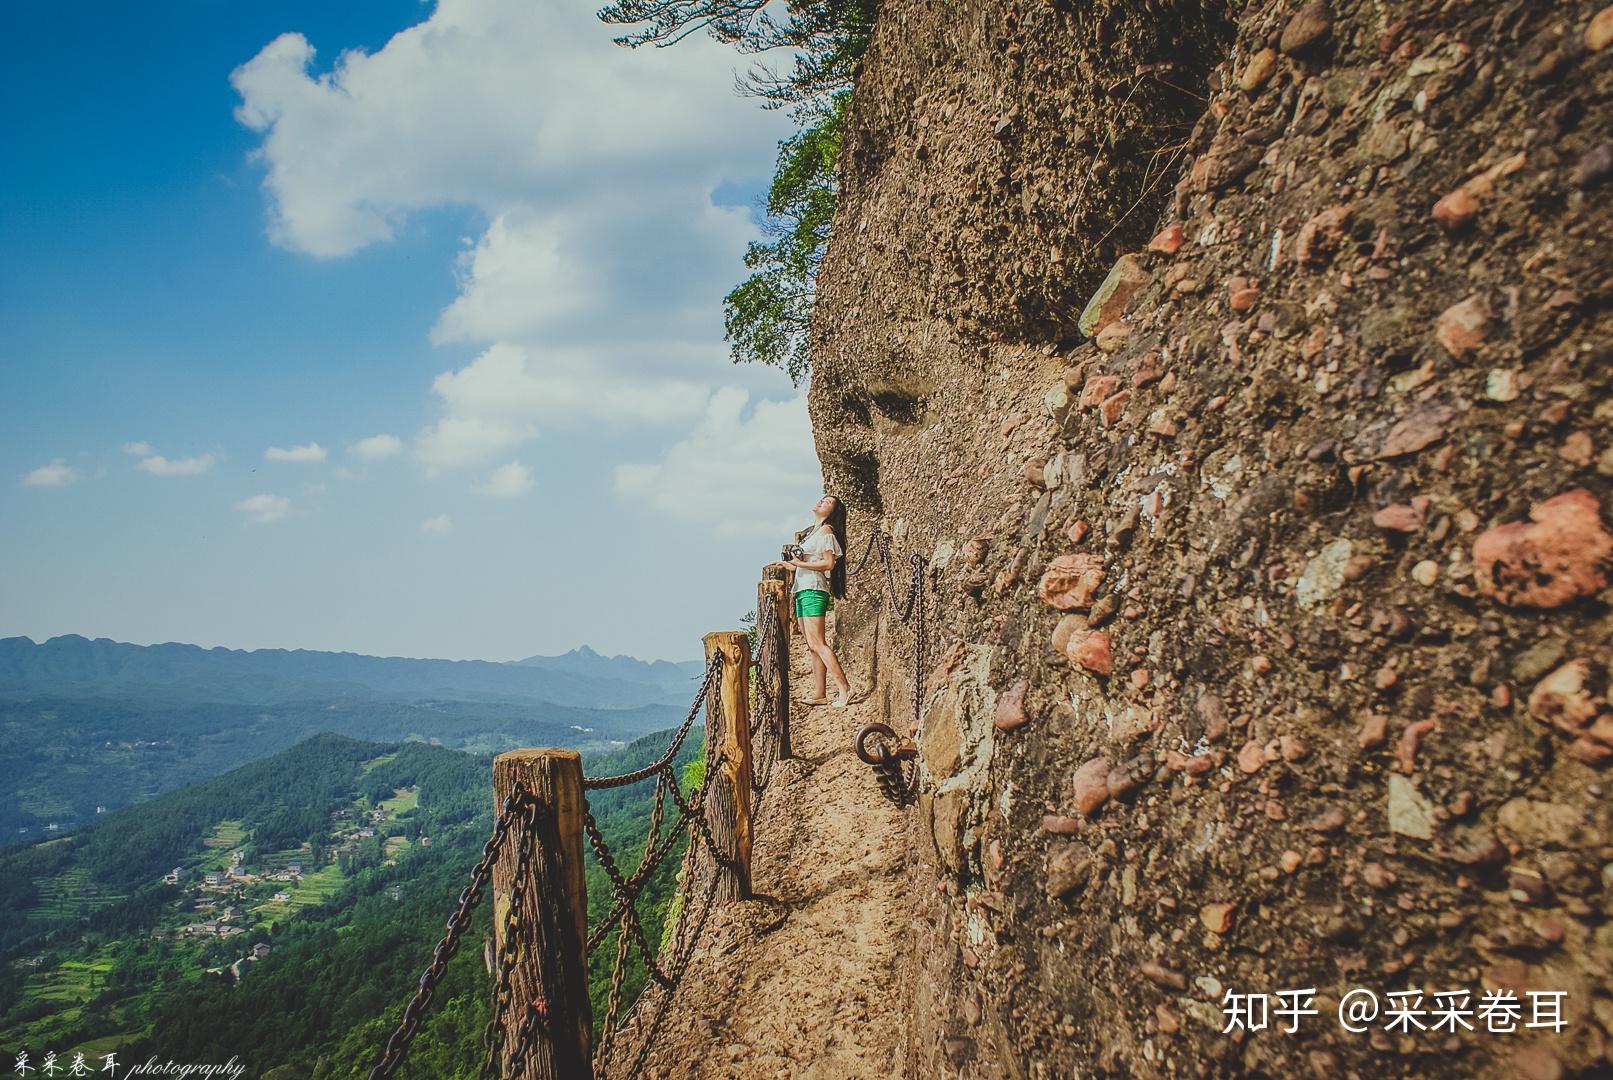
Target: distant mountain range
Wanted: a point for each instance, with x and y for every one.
(74, 666)
(88, 726)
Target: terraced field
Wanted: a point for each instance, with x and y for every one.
(70, 895)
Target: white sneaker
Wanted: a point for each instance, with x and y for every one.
(842, 701)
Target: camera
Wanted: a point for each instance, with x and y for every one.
(793, 551)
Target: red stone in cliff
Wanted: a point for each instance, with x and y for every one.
(1071, 581)
(1559, 555)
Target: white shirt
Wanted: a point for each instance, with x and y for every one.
(814, 546)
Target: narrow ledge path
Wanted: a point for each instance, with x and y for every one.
(805, 980)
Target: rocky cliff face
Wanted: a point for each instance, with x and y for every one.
(1243, 374)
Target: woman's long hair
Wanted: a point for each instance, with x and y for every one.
(837, 524)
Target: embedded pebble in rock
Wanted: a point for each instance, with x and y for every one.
(1457, 210)
(1320, 237)
(1258, 70)
(1129, 776)
(1425, 573)
(1092, 651)
(1409, 813)
(1290, 861)
(1056, 402)
(1578, 449)
(1160, 975)
(1067, 628)
(1167, 241)
(1089, 785)
(1113, 408)
(1071, 581)
(1594, 167)
(1068, 869)
(1323, 576)
(1217, 918)
(1410, 740)
(1562, 698)
(1502, 385)
(1096, 389)
(1308, 26)
(1421, 428)
(1114, 336)
(1060, 824)
(1109, 302)
(1558, 556)
(1251, 757)
(1010, 712)
(1464, 326)
(1398, 518)
(1374, 732)
(1330, 820)
(1599, 32)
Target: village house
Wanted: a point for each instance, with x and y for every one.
(425, 841)
(260, 950)
(173, 876)
(214, 877)
(366, 833)
(282, 896)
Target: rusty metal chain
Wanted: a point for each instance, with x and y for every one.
(897, 773)
(398, 1045)
(895, 764)
(771, 651)
(713, 674)
(493, 1036)
(520, 808)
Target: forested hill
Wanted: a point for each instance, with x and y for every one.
(74, 666)
(98, 954)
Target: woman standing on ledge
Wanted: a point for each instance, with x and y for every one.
(820, 576)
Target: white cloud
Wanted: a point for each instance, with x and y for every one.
(139, 449)
(486, 102)
(265, 509)
(508, 481)
(497, 401)
(747, 474)
(595, 289)
(308, 453)
(157, 465)
(376, 447)
(441, 525)
(57, 474)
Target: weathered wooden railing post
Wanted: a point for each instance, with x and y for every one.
(779, 590)
(550, 927)
(728, 764)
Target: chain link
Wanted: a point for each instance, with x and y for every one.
(897, 772)
(398, 1045)
(521, 812)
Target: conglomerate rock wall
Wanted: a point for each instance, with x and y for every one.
(1242, 373)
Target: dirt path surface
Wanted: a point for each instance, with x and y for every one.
(804, 980)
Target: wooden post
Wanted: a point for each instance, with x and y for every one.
(728, 787)
(786, 575)
(551, 924)
(779, 665)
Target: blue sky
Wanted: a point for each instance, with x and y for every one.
(238, 241)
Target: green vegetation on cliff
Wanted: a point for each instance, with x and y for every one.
(766, 315)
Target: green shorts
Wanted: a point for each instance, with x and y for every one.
(810, 602)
